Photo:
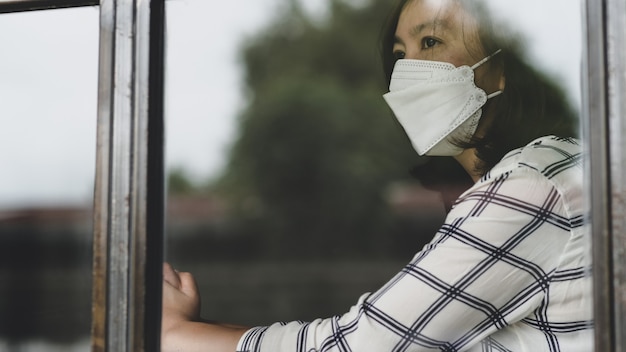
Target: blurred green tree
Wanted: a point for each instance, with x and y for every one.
(317, 146)
(178, 182)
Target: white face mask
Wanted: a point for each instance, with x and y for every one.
(436, 103)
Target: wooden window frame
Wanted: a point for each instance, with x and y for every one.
(8, 6)
(604, 128)
(129, 189)
(129, 185)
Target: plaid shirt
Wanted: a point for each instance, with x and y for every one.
(507, 271)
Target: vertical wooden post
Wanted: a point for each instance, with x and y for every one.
(604, 80)
(128, 231)
(616, 171)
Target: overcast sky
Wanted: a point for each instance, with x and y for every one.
(48, 86)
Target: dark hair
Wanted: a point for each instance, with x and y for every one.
(531, 105)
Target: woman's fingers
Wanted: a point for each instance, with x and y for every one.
(188, 284)
(171, 276)
(181, 299)
(182, 281)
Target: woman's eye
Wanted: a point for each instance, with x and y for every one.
(429, 42)
(398, 55)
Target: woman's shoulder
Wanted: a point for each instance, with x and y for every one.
(551, 156)
(547, 162)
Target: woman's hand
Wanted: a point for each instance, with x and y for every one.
(181, 306)
(181, 299)
(181, 327)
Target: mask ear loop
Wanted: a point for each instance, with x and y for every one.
(476, 65)
(494, 94)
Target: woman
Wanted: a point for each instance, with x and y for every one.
(507, 270)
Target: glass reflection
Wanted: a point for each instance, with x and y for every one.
(313, 203)
(48, 117)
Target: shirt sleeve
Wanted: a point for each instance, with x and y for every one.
(487, 267)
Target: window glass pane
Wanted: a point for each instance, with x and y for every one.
(291, 188)
(220, 222)
(552, 45)
(48, 92)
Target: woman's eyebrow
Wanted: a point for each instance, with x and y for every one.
(418, 29)
(397, 40)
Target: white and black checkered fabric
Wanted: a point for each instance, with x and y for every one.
(508, 271)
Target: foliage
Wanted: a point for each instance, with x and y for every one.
(318, 147)
(178, 183)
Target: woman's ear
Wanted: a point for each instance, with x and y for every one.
(502, 83)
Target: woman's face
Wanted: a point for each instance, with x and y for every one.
(440, 30)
